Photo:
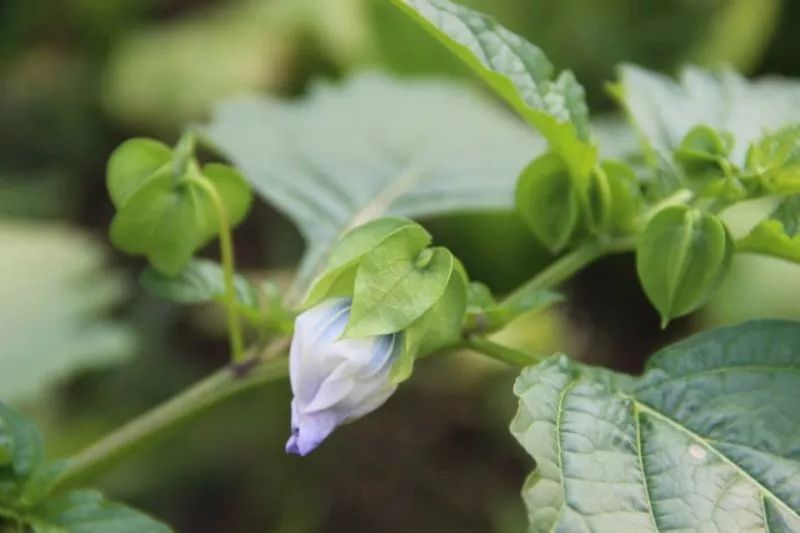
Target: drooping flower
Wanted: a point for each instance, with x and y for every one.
(335, 380)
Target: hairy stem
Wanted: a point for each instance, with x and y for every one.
(235, 335)
(146, 428)
(567, 265)
(500, 352)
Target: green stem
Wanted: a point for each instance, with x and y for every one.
(235, 336)
(500, 352)
(146, 428)
(567, 265)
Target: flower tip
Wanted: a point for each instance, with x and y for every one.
(298, 446)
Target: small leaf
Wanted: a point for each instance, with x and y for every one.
(131, 165)
(24, 441)
(86, 511)
(548, 202)
(519, 72)
(778, 235)
(339, 275)
(706, 439)
(396, 283)
(201, 281)
(682, 256)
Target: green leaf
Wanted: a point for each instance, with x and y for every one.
(438, 327)
(548, 202)
(682, 256)
(86, 511)
(132, 164)
(25, 491)
(519, 72)
(339, 275)
(775, 158)
(706, 439)
(201, 281)
(23, 442)
(778, 235)
(664, 111)
(331, 163)
(396, 283)
(56, 296)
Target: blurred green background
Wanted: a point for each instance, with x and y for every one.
(79, 76)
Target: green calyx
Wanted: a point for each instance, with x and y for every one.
(168, 206)
(397, 283)
(682, 256)
(560, 208)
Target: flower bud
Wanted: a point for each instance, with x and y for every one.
(335, 380)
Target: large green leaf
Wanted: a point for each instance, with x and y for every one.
(371, 147)
(519, 71)
(54, 295)
(706, 440)
(665, 110)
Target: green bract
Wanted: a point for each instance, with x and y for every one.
(167, 216)
(682, 256)
(397, 283)
(548, 201)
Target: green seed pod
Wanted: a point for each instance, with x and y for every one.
(548, 201)
(682, 256)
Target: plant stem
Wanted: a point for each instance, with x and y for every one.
(235, 335)
(567, 265)
(502, 353)
(148, 427)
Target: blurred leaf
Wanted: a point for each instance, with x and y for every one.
(86, 511)
(372, 146)
(164, 75)
(776, 236)
(201, 281)
(519, 71)
(25, 490)
(707, 437)
(53, 298)
(664, 110)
